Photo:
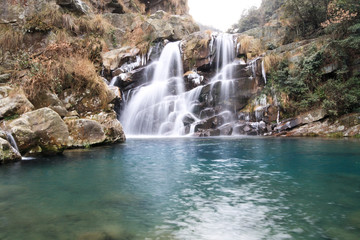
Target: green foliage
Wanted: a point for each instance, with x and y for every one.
(307, 86)
(12, 117)
(343, 95)
(306, 16)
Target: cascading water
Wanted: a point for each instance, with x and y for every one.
(159, 108)
(12, 141)
(225, 56)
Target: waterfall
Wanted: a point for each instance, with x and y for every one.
(12, 141)
(263, 72)
(159, 108)
(225, 55)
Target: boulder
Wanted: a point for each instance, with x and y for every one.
(84, 132)
(7, 152)
(112, 127)
(226, 129)
(42, 129)
(305, 118)
(115, 58)
(15, 103)
(51, 100)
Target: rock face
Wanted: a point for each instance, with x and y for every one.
(7, 152)
(14, 104)
(41, 130)
(346, 126)
(178, 7)
(309, 117)
(197, 52)
(138, 31)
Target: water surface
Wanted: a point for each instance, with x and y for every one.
(243, 188)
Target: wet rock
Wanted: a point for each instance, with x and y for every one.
(210, 123)
(226, 129)
(75, 5)
(42, 128)
(192, 79)
(208, 133)
(188, 119)
(8, 153)
(15, 103)
(206, 113)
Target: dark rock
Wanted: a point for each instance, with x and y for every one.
(188, 119)
(4, 78)
(206, 113)
(75, 5)
(226, 129)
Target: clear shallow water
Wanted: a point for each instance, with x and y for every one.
(252, 188)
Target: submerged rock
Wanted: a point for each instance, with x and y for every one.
(7, 152)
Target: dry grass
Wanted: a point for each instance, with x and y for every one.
(249, 44)
(10, 39)
(271, 61)
(93, 25)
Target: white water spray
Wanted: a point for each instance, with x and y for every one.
(159, 108)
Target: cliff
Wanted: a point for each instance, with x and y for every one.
(52, 90)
